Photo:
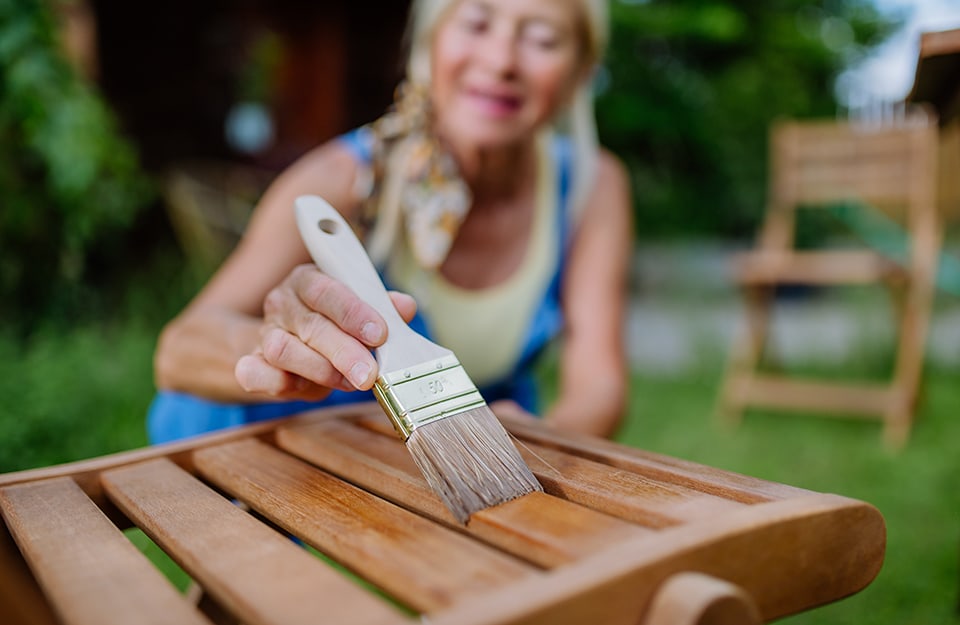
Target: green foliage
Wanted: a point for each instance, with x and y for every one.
(73, 394)
(691, 87)
(75, 389)
(68, 180)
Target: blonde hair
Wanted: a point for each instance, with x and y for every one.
(576, 119)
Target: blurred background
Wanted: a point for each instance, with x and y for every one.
(135, 138)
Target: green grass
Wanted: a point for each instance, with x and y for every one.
(69, 395)
(77, 393)
(917, 490)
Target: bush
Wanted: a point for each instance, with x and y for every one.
(70, 182)
(690, 88)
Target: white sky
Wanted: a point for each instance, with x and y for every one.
(888, 73)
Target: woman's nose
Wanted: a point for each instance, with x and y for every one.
(499, 53)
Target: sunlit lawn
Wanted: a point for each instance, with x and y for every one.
(917, 490)
(77, 393)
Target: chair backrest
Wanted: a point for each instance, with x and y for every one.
(829, 163)
(948, 188)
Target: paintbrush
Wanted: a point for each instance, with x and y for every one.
(461, 448)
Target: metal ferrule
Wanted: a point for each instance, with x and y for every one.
(424, 393)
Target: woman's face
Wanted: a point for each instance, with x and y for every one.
(502, 68)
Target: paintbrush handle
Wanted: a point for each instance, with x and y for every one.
(338, 253)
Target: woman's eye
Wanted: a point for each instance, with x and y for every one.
(474, 25)
(474, 19)
(542, 36)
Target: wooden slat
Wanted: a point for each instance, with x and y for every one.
(553, 531)
(255, 573)
(836, 267)
(769, 391)
(790, 551)
(21, 599)
(664, 469)
(421, 563)
(787, 555)
(842, 142)
(89, 570)
(86, 473)
(620, 492)
(818, 164)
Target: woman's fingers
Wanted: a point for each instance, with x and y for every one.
(316, 327)
(256, 375)
(287, 352)
(405, 305)
(314, 346)
(317, 334)
(338, 303)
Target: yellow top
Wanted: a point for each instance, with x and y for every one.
(485, 327)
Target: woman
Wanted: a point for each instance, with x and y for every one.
(504, 232)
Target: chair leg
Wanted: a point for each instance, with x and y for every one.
(914, 319)
(745, 354)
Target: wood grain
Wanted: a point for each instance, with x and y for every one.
(724, 544)
(698, 599)
(617, 491)
(424, 565)
(620, 492)
(654, 466)
(22, 601)
(255, 573)
(92, 574)
(552, 532)
(787, 555)
(86, 473)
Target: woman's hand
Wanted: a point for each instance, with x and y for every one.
(512, 411)
(316, 336)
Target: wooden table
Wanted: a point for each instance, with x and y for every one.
(621, 536)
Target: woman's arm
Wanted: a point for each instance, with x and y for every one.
(221, 347)
(593, 368)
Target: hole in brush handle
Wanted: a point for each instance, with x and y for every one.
(328, 225)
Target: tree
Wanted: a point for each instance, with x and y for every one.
(690, 88)
(69, 182)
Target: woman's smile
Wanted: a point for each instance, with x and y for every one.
(493, 102)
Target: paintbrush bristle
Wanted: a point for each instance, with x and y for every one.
(470, 462)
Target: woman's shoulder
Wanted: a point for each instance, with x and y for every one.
(610, 194)
(611, 169)
(344, 153)
(331, 170)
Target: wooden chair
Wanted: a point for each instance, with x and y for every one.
(817, 164)
(208, 204)
(620, 537)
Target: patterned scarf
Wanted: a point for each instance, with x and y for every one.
(433, 199)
